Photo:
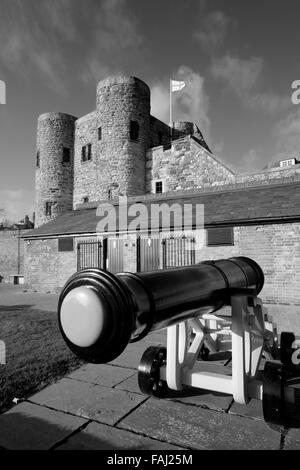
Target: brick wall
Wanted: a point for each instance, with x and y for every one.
(45, 269)
(9, 253)
(275, 247)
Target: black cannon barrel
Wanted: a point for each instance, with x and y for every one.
(99, 313)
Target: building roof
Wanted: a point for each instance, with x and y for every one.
(240, 206)
(276, 164)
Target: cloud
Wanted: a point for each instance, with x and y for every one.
(189, 104)
(269, 102)
(240, 74)
(287, 135)
(160, 101)
(95, 71)
(212, 31)
(114, 41)
(250, 162)
(116, 26)
(243, 76)
(16, 204)
(48, 39)
(60, 16)
(30, 40)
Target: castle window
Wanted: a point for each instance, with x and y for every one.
(158, 187)
(66, 244)
(99, 133)
(86, 152)
(219, 236)
(134, 130)
(89, 153)
(48, 208)
(85, 200)
(66, 155)
(38, 159)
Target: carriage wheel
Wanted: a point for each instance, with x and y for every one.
(149, 371)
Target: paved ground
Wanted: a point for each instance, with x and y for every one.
(101, 407)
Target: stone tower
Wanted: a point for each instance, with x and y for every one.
(123, 105)
(54, 166)
(115, 137)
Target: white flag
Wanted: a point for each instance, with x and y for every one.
(177, 85)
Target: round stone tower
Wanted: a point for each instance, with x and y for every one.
(123, 114)
(54, 166)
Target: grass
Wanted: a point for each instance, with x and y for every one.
(36, 354)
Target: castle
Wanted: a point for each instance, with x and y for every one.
(120, 149)
(105, 153)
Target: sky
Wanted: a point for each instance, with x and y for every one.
(238, 58)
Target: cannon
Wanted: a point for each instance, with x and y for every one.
(210, 307)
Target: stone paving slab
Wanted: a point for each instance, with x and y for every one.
(90, 401)
(101, 374)
(132, 355)
(194, 396)
(198, 428)
(292, 440)
(211, 400)
(130, 385)
(101, 437)
(252, 410)
(33, 427)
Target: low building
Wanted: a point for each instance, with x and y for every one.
(12, 250)
(261, 222)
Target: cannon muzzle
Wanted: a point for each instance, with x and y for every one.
(100, 313)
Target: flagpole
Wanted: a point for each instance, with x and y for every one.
(171, 123)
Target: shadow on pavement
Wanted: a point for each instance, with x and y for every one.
(20, 431)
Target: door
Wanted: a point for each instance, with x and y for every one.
(115, 255)
(148, 254)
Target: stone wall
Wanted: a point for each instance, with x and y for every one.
(269, 174)
(117, 166)
(160, 132)
(54, 178)
(186, 165)
(86, 174)
(10, 246)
